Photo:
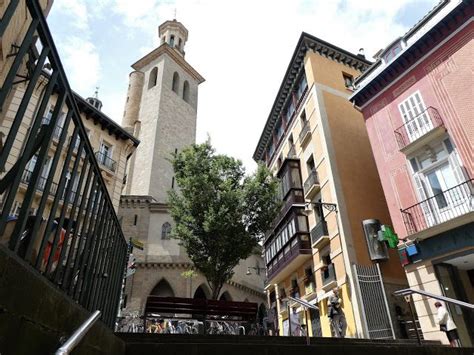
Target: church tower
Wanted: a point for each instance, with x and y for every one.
(161, 111)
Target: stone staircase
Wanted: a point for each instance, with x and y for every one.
(169, 344)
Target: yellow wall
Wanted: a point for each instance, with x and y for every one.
(360, 183)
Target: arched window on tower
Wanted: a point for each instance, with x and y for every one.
(186, 91)
(166, 231)
(172, 41)
(153, 78)
(175, 86)
(180, 43)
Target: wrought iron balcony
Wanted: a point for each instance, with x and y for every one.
(319, 234)
(440, 208)
(106, 161)
(26, 178)
(427, 121)
(311, 185)
(305, 133)
(328, 274)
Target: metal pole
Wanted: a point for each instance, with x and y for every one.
(289, 318)
(77, 336)
(409, 299)
(307, 325)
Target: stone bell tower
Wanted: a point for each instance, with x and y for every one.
(161, 111)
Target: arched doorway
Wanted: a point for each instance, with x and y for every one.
(225, 296)
(162, 289)
(201, 293)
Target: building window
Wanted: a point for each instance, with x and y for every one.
(348, 80)
(172, 183)
(105, 156)
(186, 91)
(163, 39)
(166, 231)
(172, 41)
(415, 117)
(435, 171)
(135, 220)
(153, 78)
(392, 52)
(175, 86)
(180, 43)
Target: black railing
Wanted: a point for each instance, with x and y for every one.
(312, 179)
(306, 129)
(106, 161)
(320, 230)
(328, 274)
(418, 126)
(77, 244)
(440, 208)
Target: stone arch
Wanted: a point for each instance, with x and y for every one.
(162, 289)
(202, 292)
(186, 91)
(175, 86)
(225, 296)
(165, 230)
(152, 79)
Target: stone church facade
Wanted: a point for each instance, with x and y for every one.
(161, 110)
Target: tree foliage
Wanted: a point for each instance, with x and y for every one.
(220, 214)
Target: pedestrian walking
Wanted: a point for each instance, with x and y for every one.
(336, 314)
(446, 324)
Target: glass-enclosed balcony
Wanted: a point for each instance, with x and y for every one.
(440, 208)
(289, 247)
(418, 129)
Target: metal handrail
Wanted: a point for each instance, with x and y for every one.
(410, 291)
(77, 336)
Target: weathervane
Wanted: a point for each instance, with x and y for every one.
(96, 92)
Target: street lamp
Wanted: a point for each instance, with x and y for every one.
(331, 207)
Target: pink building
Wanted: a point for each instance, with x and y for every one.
(418, 105)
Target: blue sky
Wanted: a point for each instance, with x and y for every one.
(242, 48)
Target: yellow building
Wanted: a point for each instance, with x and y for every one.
(316, 143)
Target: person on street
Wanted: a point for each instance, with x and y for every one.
(446, 324)
(336, 314)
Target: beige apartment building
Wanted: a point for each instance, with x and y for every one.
(316, 143)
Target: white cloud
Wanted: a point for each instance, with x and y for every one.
(82, 63)
(76, 10)
(242, 48)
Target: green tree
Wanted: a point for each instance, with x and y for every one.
(220, 214)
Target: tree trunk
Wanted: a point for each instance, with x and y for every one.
(216, 287)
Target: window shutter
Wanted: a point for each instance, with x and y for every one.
(456, 166)
(419, 187)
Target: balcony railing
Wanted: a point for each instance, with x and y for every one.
(418, 126)
(328, 274)
(26, 177)
(311, 185)
(106, 161)
(319, 232)
(305, 132)
(76, 244)
(440, 208)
